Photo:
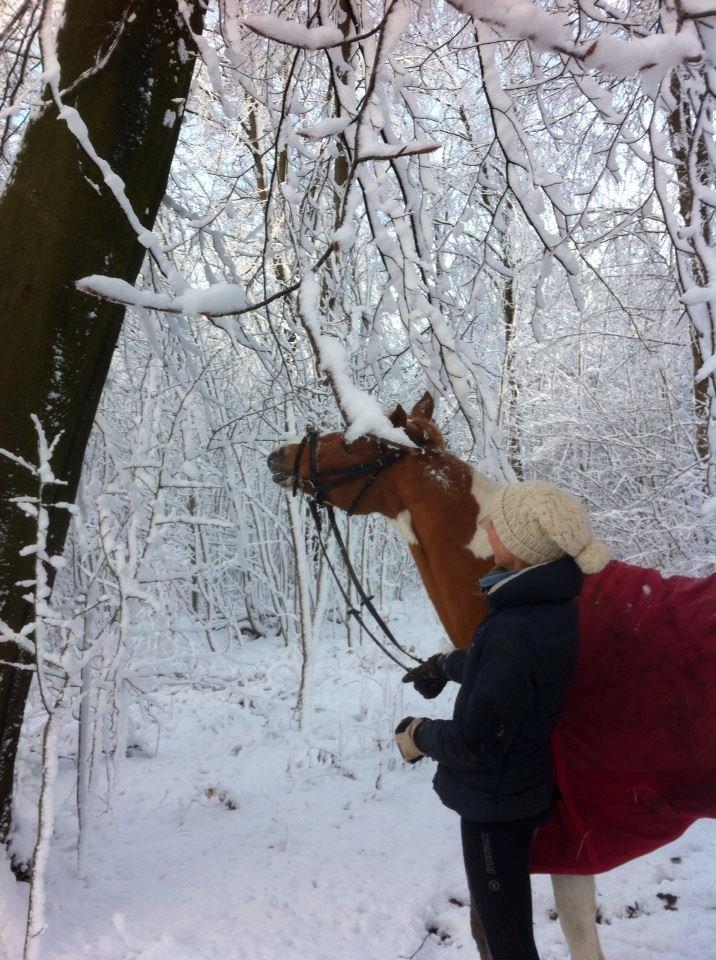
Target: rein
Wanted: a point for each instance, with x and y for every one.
(329, 480)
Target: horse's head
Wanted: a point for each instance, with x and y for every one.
(356, 476)
(432, 497)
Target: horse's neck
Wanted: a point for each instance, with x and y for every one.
(443, 512)
(455, 595)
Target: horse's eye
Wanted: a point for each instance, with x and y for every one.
(345, 446)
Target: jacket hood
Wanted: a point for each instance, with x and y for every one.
(553, 582)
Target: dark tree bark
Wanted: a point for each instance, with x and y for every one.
(59, 222)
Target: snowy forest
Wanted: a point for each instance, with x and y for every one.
(224, 223)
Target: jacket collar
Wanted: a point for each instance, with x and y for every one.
(498, 576)
(552, 582)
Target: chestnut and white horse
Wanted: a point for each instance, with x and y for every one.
(434, 499)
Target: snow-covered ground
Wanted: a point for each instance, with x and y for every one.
(237, 836)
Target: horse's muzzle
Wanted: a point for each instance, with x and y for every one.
(280, 463)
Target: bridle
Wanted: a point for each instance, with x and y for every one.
(323, 483)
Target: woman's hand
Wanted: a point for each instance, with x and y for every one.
(429, 678)
(405, 738)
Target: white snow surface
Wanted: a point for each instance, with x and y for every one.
(336, 850)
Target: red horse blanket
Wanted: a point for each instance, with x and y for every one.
(635, 749)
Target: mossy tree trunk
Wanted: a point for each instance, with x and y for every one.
(59, 222)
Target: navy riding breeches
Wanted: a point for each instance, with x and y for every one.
(497, 863)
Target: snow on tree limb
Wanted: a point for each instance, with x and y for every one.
(362, 411)
(294, 34)
(375, 149)
(707, 369)
(653, 55)
(210, 58)
(78, 128)
(328, 127)
(216, 300)
(698, 295)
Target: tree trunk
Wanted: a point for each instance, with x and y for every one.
(59, 222)
(691, 267)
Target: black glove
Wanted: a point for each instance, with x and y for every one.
(429, 678)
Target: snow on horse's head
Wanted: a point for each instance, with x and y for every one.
(431, 497)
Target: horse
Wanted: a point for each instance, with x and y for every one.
(633, 752)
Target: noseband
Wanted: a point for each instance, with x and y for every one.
(323, 483)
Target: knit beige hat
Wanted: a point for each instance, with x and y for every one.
(538, 523)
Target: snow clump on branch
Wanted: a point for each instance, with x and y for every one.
(363, 412)
(292, 33)
(216, 300)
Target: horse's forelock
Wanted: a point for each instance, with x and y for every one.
(424, 432)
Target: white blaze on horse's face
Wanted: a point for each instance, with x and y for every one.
(482, 487)
(403, 524)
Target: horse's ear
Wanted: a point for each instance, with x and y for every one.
(398, 417)
(424, 433)
(425, 407)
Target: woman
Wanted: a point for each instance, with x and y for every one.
(494, 764)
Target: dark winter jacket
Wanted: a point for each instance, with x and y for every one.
(493, 757)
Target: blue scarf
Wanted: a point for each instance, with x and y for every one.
(492, 578)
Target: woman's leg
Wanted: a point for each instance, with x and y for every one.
(497, 865)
